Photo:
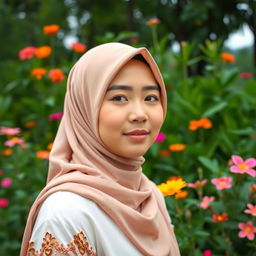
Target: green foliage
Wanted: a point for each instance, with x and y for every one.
(219, 94)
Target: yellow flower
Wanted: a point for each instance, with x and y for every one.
(171, 187)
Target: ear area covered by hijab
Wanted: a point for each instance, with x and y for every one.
(80, 163)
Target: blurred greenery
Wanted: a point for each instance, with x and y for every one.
(200, 84)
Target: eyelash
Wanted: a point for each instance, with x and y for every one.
(115, 98)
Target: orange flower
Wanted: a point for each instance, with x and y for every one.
(49, 147)
(7, 152)
(51, 29)
(164, 153)
(201, 123)
(78, 47)
(43, 154)
(219, 217)
(56, 75)
(227, 57)
(30, 124)
(43, 51)
(253, 188)
(153, 21)
(177, 147)
(181, 194)
(38, 73)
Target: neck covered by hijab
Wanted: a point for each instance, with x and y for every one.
(80, 163)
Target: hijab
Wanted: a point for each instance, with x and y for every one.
(80, 163)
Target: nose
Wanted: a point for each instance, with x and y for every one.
(138, 114)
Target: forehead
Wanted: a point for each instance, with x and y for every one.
(134, 71)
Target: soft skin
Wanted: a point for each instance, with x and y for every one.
(132, 102)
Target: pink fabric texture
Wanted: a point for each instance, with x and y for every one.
(80, 163)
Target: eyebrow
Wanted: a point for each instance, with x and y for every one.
(129, 88)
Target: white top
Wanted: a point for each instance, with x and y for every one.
(69, 224)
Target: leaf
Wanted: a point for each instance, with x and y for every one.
(211, 111)
(245, 131)
(208, 163)
(201, 233)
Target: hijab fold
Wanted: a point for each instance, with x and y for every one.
(80, 163)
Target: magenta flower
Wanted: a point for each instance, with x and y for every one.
(55, 116)
(246, 75)
(15, 140)
(222, 182)
(9, 131)
(247, 230)
(241, 166)
(4, 202)
(197, 184)
(206, 201)
(160, 137)
(6, 182)
(207, 253)
(251, 209)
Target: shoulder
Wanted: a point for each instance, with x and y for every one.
(63, 219)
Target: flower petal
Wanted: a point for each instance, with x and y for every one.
(251, 162)
(237, 159)
(251, 172)
(235, 169)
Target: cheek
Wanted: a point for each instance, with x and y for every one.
(157, 118)
(110, 118)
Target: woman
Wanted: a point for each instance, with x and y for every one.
(97, 201)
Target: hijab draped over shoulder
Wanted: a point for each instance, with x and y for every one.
(80, 163)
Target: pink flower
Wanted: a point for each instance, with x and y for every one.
(13, 141)
(55, 116)
(9, 131)
(242, 166)
(197, 184)
(247, 230)
(251, 209)
(4, 202)
(205, 201)
(207, 253)
(222, 182)
(246, 75)
(160, 137)
(6, 182)
(27, 53)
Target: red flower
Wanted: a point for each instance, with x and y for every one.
(27, 53)
(56, 75)
(4, 202)
(219, 217)
(246, 75)
(78, 47)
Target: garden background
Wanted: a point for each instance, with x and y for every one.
(208, 138)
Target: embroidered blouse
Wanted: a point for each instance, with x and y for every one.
(71, 225)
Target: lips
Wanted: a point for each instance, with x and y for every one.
(137, 132)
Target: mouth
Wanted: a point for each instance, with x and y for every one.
(137, 135)
(137, 132)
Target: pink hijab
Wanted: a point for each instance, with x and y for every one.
(80, 163)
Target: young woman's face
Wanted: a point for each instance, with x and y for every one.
(131, 113)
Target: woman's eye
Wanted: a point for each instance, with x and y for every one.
(119, 98)
(151, 98)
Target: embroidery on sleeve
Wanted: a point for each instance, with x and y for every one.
(50, 246)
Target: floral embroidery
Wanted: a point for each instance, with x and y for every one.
(51, 247)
